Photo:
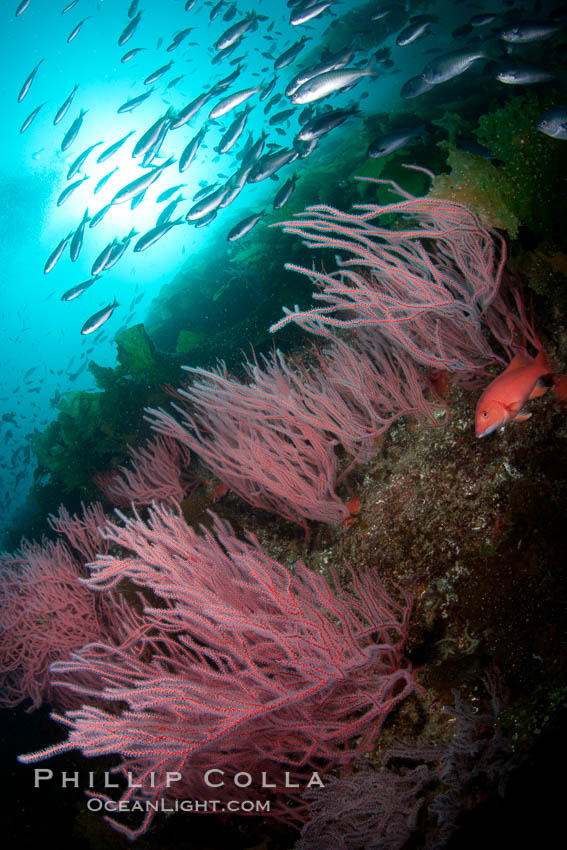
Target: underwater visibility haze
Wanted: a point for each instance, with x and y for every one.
(391, 176)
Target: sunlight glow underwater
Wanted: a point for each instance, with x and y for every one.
(41, 331)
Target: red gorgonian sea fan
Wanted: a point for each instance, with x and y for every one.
(45, 613)
(244, 667)
(431, 290)
(81, 531)
(260, 441)
(158, 472)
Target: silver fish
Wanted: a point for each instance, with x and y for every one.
(221, 55)
(272, 101)
(304, 149)
(155, 147)
(384, 11)
(118, 250)
(98, 217)
(65, 106)
(266, 92)
(79, 162)
(137, 200)
(322, 124)
(167, 193)
(281, 117)
(228, 103)
(529, 31)
(482, 20)
(26, 86)
(188, 112)
(414, 87)
(104, 180)
(451, 65)
(205, 190)
(285, 193)
(227, 81)
(190, 151)
(30, 118)
(132, 8)
(417, 27)
(149, 138)
(553, 122)
(155, 75)
(56, 253)
(129, 30)
(178, 38)
(269, 164)
(140, 183)
(77, 240)
(206, 219)
(98, 319)
(152, 236)
(216, 10)
(230, 13)
(243, 227)
(326, 84)
(134, 102)
(69, 6)
(303, 15)
(168, 211)
(207, 205)
(288, 56)
(391, 142)
(234, 132)
(111, 149)
(523, 75)
(73, 131)
(130, 54)
(233, 187)
(22, 8)
(75, 31)
(77, 290)
(68, 191)
(100, 262)
(236, 31)
(254, 152)
(334, 63)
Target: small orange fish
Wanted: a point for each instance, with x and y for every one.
(502, 401)
(220, 490)
(353, 506)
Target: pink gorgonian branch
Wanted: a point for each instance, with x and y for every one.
(158, 472)
(45, 613)
(82, 532)
(425, 289)
(244, 666)
(260, 440)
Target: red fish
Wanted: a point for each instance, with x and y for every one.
(502, 401)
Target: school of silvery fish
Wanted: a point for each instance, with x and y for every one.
(258, 158)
